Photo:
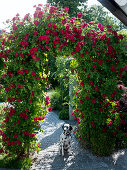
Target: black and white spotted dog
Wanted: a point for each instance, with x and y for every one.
(65, 140)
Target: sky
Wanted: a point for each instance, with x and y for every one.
(9, 8)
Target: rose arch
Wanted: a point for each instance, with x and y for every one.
(28, 52)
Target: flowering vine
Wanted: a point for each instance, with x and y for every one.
(28, 51)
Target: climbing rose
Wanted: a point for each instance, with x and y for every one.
(104, 130)
(81, 101)
(96, 88)
(18, 85)
(81, 83)
(104, 95)
(91, 83)
(110, 123)
(100, 110)
(35, 119)
(50, 109)
(30, 101)
(93, 101)
(35, 33)
(32, 93)
(80, 15)
(33, 73)
(49, 24)
(100, 62)
(93, 124)
(36, 22)
(112, 68)
(26, 133)
(94, 66)
(32, 135)
(73, 113)
(52, 9)
(1, 150)
(15, 136)
(87, 97)
(94, 60)
(18, 100)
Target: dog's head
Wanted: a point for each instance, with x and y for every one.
(67, 129)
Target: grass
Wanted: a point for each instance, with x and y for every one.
(14, 163)
(11, 161)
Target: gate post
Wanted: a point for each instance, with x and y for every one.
(71, 84)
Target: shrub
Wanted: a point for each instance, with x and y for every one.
(102, 144)
(55, 99)
(64, 114)
(3, 97)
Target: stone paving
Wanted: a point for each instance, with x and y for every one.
(81, 159)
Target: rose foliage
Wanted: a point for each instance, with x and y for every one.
(27, 52)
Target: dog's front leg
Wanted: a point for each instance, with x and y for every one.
(70, 152)
(62, 149)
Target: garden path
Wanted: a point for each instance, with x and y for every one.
(49, 159)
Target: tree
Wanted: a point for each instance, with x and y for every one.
(97, 13)
(74, 6)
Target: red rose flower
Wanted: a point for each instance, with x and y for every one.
(18, 100)
(94, 60)
(32, 135)
(96, 88)
(1, 150)
(94, 66)
(49, 24)
(110, 123)
(26, 133)
(18, 142)
(36, 22)
(35, 119)
(112, 68)
(35, 33)
(16, 54)
(18, 121)
(30, 101)
(91, 83)
(104, 95)
(81, 101)
(32, 93)
(15, 136)
(93, 100)
(50, 109)
(18, 85)
(27, 110)
(21, 72)
(114, 133)
(93, 124)
(104, 130)
(80, 15)
(40, 118)
(100, 110)
(87, 97)
(73, 113)
(81, 83)
(100, 62)
(33, 73)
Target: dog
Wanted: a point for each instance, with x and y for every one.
(65, 140)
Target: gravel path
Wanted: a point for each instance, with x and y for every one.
(49, 159)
